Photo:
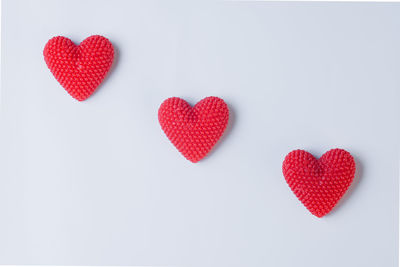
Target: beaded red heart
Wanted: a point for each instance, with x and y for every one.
(319, 183)
(80, 69)
(194, 130)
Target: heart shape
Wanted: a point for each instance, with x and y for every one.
(80, 69)
(319, 183)
(194, 131)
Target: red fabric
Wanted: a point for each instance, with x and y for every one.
(79, 68)
(194, 131)
(319, 183)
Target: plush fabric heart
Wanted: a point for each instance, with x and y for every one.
(194, 131)
(319, 183)
(79, 68)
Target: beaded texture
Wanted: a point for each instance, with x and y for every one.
(80, 69)
(194, 131)
(319, 183)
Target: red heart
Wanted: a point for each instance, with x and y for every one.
(79, 68)
(193, 131)
(319, 183)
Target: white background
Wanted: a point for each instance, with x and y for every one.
(98, 183)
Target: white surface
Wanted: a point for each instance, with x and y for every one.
(98, 183)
